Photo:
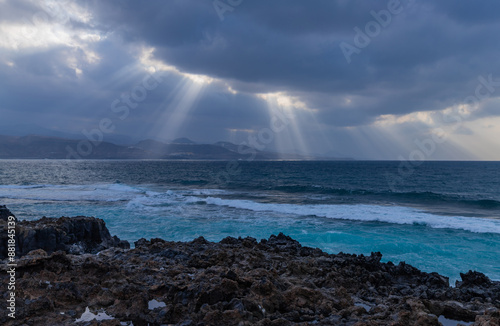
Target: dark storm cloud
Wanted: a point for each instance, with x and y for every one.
(427, 58)
(424, 59)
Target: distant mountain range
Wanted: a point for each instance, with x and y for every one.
(41, 147)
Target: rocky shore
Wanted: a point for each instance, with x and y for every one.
(75, 235)
(83, 276)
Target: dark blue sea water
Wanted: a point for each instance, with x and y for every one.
(438, 216)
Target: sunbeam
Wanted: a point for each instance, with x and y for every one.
(175, 113)
(286, 107)
(175, 108)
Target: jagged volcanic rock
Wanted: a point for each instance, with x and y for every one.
(241, 282)
(76, 235)
(5, 213)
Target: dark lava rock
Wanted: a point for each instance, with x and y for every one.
(473, 278)
(5, 213)
(476, 285)
(75, 235)
(236, 282)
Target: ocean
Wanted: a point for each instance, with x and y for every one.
(437, 216)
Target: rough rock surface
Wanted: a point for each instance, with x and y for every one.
(241, 282)
(5, 213)
(76, 235)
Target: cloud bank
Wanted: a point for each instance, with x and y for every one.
(363, 79)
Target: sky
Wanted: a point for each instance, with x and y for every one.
(397, 80)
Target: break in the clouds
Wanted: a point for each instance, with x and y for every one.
(364, 79)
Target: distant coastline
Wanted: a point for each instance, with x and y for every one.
(42, 147)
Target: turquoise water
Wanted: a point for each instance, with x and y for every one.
(436, 220)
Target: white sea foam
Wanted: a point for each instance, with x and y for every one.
(367, 213)
(208, 192)
(152, 200)
(138, 198)
(156, 201)
(96, 192)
